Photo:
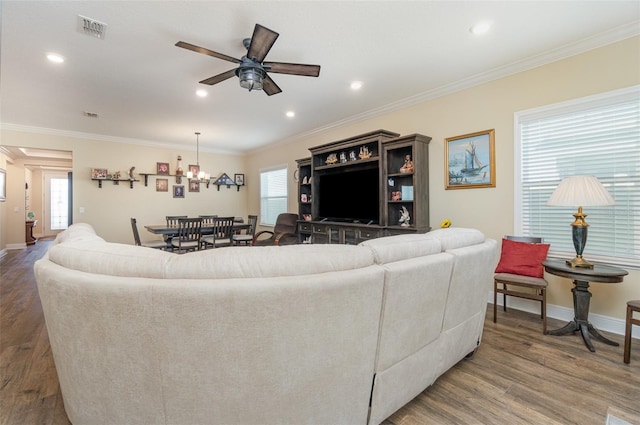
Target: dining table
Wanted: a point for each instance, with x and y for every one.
(169, 232)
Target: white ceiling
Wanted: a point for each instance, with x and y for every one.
(143, 87)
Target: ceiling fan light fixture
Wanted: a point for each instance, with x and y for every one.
(251, 78)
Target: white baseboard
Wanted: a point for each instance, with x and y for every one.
(22, 245)
(605, 323)
(3, 252)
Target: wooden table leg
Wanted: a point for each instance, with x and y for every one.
(580, 322)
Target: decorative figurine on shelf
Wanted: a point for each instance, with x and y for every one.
(343, 157)
(332, 159)
(115, 175)
(352, 156)
(364, 152)
(408, 165)
(405, 218)
(179, 169)
(396, 196)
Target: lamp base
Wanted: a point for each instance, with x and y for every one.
(579, 262)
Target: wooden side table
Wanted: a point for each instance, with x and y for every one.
(582, 297)
(28, 231)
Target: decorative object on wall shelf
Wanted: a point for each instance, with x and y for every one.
(162, 185)
(331, 159)
(407, 167)
(405, 218)
(162, 168)
(178, 191)
(224, 180)
(131, 173)
(239, 180)
(364, 153)
(115, 175)
(179, 171)
(470, 160)
(99, 173)
(406, 193)
(396, 196)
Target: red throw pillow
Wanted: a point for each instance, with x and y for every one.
(522, 258)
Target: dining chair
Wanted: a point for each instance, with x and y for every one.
(247, 237)
(148, 244)
(208, 219)
(172, 220)
(521, 267)
(189, 235)
(285, 232)
(632, 307)
(221, 234)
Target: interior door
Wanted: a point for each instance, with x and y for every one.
(57, 198)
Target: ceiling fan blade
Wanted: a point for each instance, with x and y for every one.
(293, 68)
(261, 42)
(204, 51)
(219, 78)
(270, 87)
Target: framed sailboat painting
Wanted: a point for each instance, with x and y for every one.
(470, 160)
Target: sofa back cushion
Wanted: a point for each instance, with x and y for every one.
(401, 247)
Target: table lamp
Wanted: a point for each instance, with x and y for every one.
(580, 191)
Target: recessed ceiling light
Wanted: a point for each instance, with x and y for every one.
(290, 114)
(356, 85)
(55, 58)
(201, 93)
(480, 28)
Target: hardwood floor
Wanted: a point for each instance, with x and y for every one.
(517, 376)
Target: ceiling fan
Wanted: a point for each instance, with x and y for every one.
(252, 70)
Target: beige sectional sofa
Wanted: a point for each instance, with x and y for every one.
(306, 334)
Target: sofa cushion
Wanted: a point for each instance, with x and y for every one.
(402, 247)
(456, 237)
(269, 261)
(96, 256)
(522, 258)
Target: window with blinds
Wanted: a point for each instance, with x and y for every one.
(599, 136)
(273, 195)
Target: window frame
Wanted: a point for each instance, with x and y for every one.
(602, 100)
(285, 169)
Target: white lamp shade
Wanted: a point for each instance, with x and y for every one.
(582, 191)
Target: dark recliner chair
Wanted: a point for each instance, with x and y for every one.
(285, 232)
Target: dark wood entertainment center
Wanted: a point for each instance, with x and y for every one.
(358, 211)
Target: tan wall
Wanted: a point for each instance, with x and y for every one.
(110, 208)
(487, 106)
(490, 105)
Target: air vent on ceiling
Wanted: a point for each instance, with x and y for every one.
(91, 27)
(90, 114)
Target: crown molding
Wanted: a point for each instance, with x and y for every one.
(572, 49)
(106, 138)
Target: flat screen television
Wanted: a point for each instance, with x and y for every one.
(350, 196)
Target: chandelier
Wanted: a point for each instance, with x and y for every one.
(200, 175)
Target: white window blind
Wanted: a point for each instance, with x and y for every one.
(273, 195)
(599, 136)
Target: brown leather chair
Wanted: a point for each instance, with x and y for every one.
(285, 232)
